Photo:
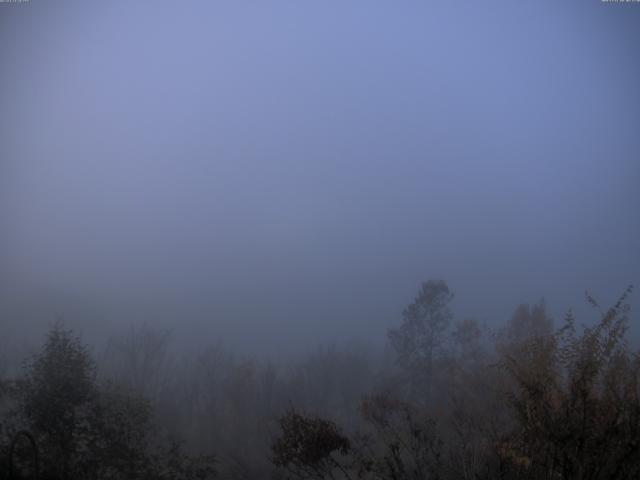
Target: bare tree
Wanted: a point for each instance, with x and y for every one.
(140, 360)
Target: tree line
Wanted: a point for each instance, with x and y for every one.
(448, 399)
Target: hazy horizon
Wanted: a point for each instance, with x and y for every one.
(285, 174)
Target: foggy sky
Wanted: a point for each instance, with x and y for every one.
(277, 173)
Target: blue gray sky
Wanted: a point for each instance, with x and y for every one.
(286, 173)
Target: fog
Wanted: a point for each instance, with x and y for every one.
(298, 240)
(283, 174)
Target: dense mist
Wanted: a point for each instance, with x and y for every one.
(264, 187)
(295, 170)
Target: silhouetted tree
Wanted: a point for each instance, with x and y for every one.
(55, 400)
(577, 402)
(421, 334)
(91, 430)
(406, 443)
(140, 360)
(310, 447)
(526, 323)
